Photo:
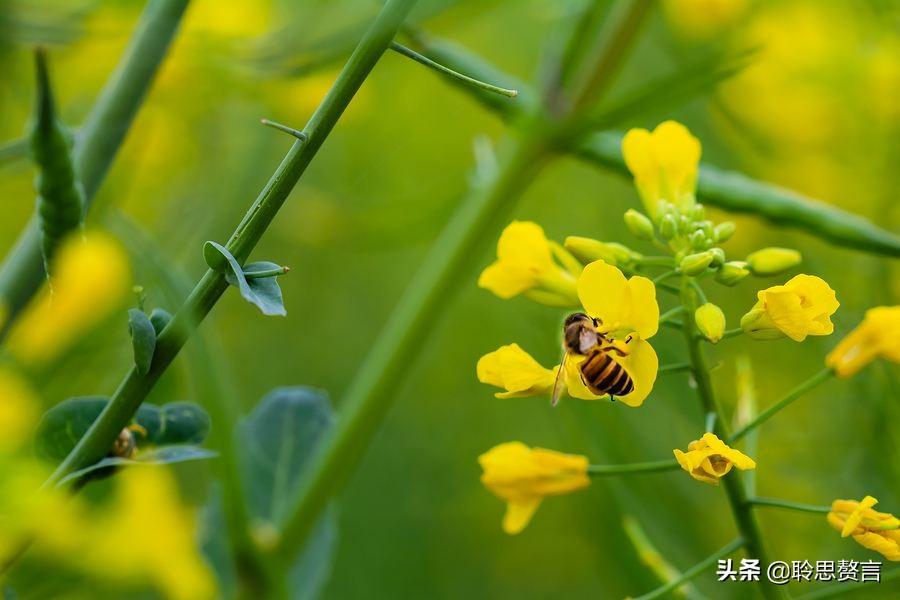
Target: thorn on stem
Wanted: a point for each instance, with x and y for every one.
(284, 128)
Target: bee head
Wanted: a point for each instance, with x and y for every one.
(576, 318)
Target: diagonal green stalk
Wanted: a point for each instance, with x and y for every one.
(97, 143)
(448, 72)
(798, 506)
(694, 571)
(135, 387)
(744, 518)
(797, 392)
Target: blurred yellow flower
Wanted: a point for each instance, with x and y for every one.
(710, 321)
(19, 411)
(664, 164)
(91, 278)
(771, 261)
(709, 458)
(525, 265)
(147, 535)
(872, 529)
(702, 19)
(514, 370)
(524, 476)
(803, 306)
(878, 336)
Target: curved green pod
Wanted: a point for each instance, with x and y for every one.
(60, 201)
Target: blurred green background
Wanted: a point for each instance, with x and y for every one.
(816, 111)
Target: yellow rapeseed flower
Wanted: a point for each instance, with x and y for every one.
(524, 476)
(875, 530)
(702, 19)
(19, 411)
(91, 278)
(147, 535)
(525, 265)
(664, 164)
(511, 368)
(803, 306)
(878, 336)
(709, 458)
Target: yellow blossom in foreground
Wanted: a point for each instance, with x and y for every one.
(803, 306)
(875, 530)
(19, 411)
(148, 536)
(524, 476)
(525, 265)
(709, 458)
(514, 370)
(91, 278)
(664, 164)
(878, 336)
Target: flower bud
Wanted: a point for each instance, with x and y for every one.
(684, 224)
(771, 261)
(707, 228)
(718, 256)
(639, 224)
(732, 272)
(697, 212)
(694, 264)
(759, 325)
(710, 321)
(698, 241)
(723, 231)
(588, 250)
(668, 227)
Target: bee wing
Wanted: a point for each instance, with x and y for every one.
(557, 387)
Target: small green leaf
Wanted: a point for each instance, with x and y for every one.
(276, 441)
(143, 339)
(263, 292)
(158, 456)
(159, 318)
(63, 425)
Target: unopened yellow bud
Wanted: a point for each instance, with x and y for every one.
(710, 321)
(639, 224)
(724, 231)
(668, 227)
(588, 250)
(694, 264)
(732, 272)
(771, 261)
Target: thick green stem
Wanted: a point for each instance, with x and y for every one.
(374, 387)
(694, 571)
(135, 387)
(644, 467)
(794, 394)
(22, 271)
(743, 515)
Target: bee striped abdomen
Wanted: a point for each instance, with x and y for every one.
(602, 375)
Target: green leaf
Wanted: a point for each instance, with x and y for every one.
(143, 339)
(63, 425)
(159, 318)
(276, 441)
(263, 292)
(157, 456)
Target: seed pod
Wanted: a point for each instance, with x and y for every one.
(60, 201)
(732, 272)
(694, 264)
(723, 231)
(639, 225)
(710, 321)
(771, 261)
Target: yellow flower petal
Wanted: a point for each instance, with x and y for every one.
(709, 458)
(803, 306)
(877, 336)
(620, 304)
(664, 164)
(857, 515)
(513, 369)
(518, 514)
(642, 364)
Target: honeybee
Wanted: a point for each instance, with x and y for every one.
(600, 373)
(125, 445)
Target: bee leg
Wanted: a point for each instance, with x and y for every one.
(628, 339)
(618, 351)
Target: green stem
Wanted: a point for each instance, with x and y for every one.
(424, 60)
(774, 502)
(697, 569)
(22, 271)
(660, 278)
(795, 393)
(743, 515)
(655, 261)
(675, 367)
(135, 387)
(654, 560)
(627, 469)
(730, 333)
(374, 387)
(670, 314)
